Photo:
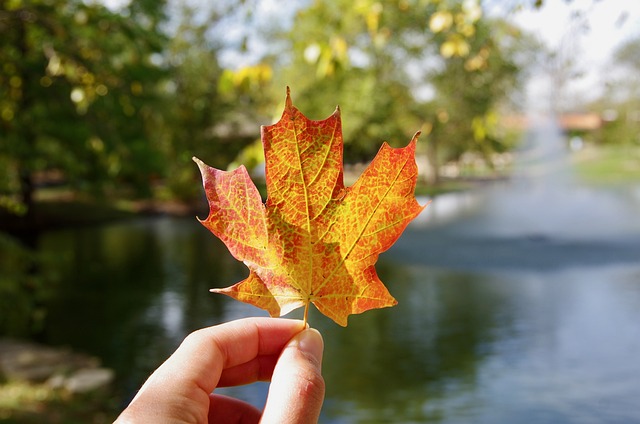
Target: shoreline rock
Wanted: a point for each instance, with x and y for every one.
(58, 368)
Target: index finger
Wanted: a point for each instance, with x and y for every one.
(180, 387)
(205, 353)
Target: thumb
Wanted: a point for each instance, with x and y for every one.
(297, 387)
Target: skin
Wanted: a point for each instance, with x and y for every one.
(239, 352)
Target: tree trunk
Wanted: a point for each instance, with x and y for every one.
(25, 131)
(26, 191)
(432, 175)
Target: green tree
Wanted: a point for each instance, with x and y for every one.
(77, 88)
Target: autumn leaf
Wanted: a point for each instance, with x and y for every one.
(314, 240)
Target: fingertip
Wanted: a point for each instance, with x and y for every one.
(310, 342)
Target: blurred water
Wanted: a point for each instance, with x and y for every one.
(518, 303)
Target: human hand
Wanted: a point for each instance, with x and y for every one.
(236, 353)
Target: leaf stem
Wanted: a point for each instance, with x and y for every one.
(306, 315)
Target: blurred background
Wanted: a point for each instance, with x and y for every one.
(518, 286)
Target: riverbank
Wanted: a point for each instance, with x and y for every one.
(53, 211)
(62, 212)
(54, 385)
(608, 165)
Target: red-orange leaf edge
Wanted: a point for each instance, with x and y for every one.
(314, 240)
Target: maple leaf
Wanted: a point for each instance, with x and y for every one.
(314, 240)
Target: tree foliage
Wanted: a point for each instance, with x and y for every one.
(78, 85)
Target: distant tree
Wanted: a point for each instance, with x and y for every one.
(211, 111)
(628, 55)
(620, 103)
(355, 54)
(378, 59)
(470, 91)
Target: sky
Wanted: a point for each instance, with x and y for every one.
(591, 37)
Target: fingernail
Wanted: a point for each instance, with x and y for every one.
(310, 342)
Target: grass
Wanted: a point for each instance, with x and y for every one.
(608, 165)
(444, 186)
(22, 402)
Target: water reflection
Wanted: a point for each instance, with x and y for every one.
(408, 360)
(133, 290)
(461, 346)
